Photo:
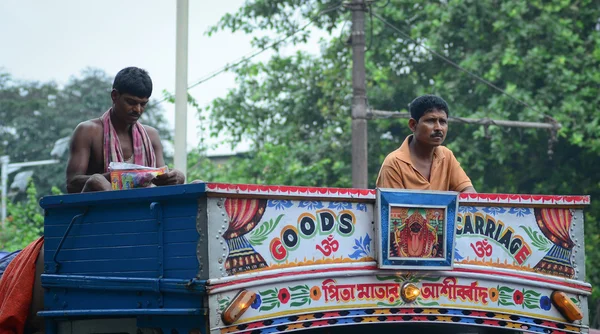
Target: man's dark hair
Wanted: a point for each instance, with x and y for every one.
(426, 103)
(134, 81)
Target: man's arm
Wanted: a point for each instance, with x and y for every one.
(459, 181)
(79, 157)
(173, 176)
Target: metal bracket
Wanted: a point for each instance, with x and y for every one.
(60, 244)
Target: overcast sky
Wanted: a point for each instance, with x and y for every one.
(54, 40)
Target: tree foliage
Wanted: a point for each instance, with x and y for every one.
(544, 56)
(24, 223)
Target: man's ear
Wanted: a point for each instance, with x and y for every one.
(412, 124)
(114, 95)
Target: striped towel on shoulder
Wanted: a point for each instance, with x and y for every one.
(143, 152)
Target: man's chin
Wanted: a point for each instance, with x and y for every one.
(436, 142)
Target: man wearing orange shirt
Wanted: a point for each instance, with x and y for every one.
(421, 162)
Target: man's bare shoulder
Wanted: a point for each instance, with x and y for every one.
(92, 125)
(151, 131)
(87, 131)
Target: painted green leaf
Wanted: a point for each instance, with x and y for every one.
(537, 240)
(259, 235)
(301, 302)
(265, 307)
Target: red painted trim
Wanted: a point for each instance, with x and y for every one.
(291, 274)
(525, 199)
(525, 277)
(290, 190)
(254, 189)
(374, 268)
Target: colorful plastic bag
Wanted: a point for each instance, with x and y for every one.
(130, 176)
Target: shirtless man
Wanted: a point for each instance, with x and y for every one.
(117, 136)
(421, 162)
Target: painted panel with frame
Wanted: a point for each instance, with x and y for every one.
(415, 229)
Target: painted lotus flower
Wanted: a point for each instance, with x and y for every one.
(283, 296)
(518, 297)
(545, 303)
(256, 304)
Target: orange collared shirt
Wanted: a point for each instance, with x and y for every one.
(397, 171)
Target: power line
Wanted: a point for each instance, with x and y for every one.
(405, 35)
(252, 55)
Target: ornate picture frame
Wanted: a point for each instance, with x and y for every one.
(415, 229)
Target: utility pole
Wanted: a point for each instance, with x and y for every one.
(359, 96)
(181, 69)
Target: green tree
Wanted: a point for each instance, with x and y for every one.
(544, 54)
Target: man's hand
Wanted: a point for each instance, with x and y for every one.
(171, 178)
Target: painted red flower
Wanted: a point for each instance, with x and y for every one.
(518, 297)
(283, 296)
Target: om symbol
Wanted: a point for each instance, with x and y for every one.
(482, 248)
(329, 246)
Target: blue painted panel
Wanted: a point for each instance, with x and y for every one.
(181, 249)
(180, 208)
(185, 274)
(130, 252)
(181, 236)
(104, 228)
(128, 273)
(95, 241)
(180, 223)
(80, 299)
(111, 265)
(186, 262)
(125, 196)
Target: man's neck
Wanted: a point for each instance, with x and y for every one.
(421, 151)
(119, 126)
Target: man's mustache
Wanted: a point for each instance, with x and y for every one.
(437, 134)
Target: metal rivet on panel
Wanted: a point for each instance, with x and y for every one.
(220, 260)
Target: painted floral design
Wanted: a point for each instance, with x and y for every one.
(520, 212)
(362, 247)
(512, 297)
(296, 296)
(467, 209)
(315, 293)
(311, 205)
(493, 292)
(494, 210)
(361, 207)
(518, 297)
(340, 205)
(283, 296)
(545, 303)
(257, 302)
(280, 204)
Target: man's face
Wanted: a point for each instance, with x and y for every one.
(128, 107)
(431, 129)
